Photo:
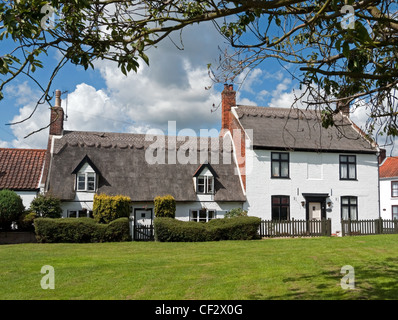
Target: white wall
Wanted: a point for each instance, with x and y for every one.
(386, 201)
(311, 172)
(84, 200)
(27, 197)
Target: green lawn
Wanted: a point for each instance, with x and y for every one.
(262, 269)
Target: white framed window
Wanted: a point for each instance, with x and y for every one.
(80, 213)
(205, 184)
(202, 215)
(86, 181)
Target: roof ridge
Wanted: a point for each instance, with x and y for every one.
(22, 149)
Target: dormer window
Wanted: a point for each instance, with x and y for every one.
(204, 178)
(205, 184)
(86, 181)
(86, 176)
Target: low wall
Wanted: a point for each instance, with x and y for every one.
(14, 237)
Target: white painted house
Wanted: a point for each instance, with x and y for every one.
(294, 168)
(389, 188)
(198, 172)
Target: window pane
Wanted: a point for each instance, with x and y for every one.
(194, 215)
(81, 182)
(284, 156)
(343, 171)
(344, 213)
(210, 184)
(343, 158)
(344, 200)
(351, 171)
(211, 214)
(91, 181)
(201, 184)
(285, 200)
(275, 169)
(275, 213)
(275, 156)
(351, 159)
(394, 188)
(72, 214)
(276, 200)
(353, 200)
(284, 213)
(353, 213)
(395, 212)
(285, 169)
(202, 216)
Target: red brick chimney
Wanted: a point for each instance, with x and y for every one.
(228, 101)
(344, 108)
(229, 123)
(57, 116)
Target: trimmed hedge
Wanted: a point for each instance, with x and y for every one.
(109, 208)
(165, 206)
(81, 230)
(237, 228)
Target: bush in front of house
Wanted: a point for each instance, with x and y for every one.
(108, 208)
(46, 206)
(11, 208)
(26, 220)
(165, 206)
(237, 228)
(173, 230)
(81, 230)
(236, 212)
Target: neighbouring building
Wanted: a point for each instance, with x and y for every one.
(389, 188)
(21, 171)
(294, 168)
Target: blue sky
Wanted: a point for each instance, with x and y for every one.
(172, 88)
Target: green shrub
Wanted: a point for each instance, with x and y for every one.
(165, 207)
(235, 228)
(46, 206)
(11, 208)
(172, 230)
(238, 228)
(236, 212)
(81, 230)
(108, 208)
(118, 230)
(26, 221)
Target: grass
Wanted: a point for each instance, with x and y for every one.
(263, 269)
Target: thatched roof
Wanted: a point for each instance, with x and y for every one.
(122, 162)
(297, 129)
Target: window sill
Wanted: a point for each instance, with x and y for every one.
(286, 178)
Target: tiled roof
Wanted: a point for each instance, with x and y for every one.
(300, 129)
(20, 169)
(389, 168)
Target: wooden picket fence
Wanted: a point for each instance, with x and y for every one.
(368, 227)
(295, 228)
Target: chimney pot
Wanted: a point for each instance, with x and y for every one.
(57, 98)
(57, 116)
